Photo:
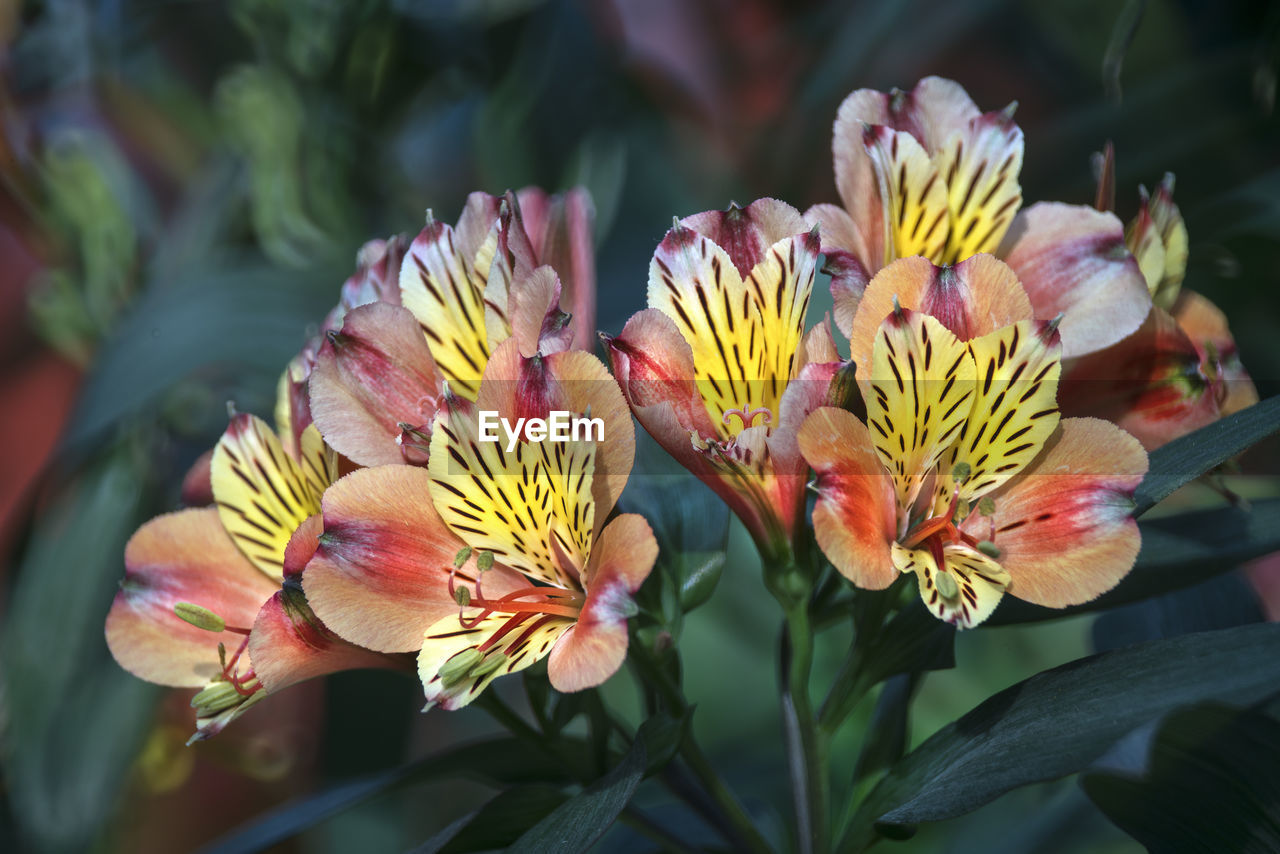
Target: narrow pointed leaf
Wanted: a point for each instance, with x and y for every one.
(1059, 721)
(1190, 456)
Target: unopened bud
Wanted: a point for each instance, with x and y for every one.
(200, 617)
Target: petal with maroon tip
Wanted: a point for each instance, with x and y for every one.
(975, 297)
(1065, 529)
(373, 376)
(594, 648)
(181, 557)
(854, 515)
(654, 366)
(746, 234)
(379, 576)
(1072, 260)
(537, 323)
(289, 644)
(560, 228)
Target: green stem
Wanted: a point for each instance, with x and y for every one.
(746, 836)
(806, 745)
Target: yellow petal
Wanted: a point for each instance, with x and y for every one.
(443, 290)
(1015, 409)
(980, 165)
(532, 507)
(917, 198)
(262, 494)
(454, 671)
(922, 389)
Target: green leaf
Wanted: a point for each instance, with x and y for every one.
(913, 641)
(1057, 722)
(1177, 552)
(1210, 784)
(576, 824)
(498, 823)
(1219, 603)
(501, 760)
(75, 720)
(1190, 456)
(662, 735)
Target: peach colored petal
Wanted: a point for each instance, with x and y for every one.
(854, 515)
(1072, 260)
(181, 557)
(374, 375)
(380, 575)
(972, 298)
(1064, 529)
(560, 229)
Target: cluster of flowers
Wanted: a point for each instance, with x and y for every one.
(373, 524)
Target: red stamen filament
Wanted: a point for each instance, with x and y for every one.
(939, 530)
(747, 415)
(238, 680)
(569, 602)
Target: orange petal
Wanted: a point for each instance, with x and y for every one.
(380, 575)
(181, 557)
(1072, 260)
(595, 647)
(289, 644)
(854, 515)
(374, 375)
(1064, 529)
(973, 298)
(537, 323)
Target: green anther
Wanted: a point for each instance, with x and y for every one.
(201, 618)
(485, 561)
(463, 555)
(462, 596)
(216, 697)
(987, 506)
(491, 663)
(947, 586)
(459, 666)
(989, 548)
(961, 472)
(222, 655)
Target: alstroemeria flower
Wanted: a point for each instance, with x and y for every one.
(464, 290)
(212, 597)
(719, 369)
(386, 575)
(926, 173)
(1181, 370)
(963, 473)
